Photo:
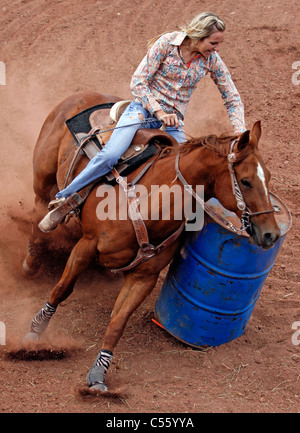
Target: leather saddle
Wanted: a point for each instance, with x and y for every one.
(102, 122)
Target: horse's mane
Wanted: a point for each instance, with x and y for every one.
(211, 141)
(220, 144)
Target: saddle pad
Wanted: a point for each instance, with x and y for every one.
(79, 124)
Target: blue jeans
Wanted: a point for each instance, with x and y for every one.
(118, 143)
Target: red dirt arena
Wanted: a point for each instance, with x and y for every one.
(51, 49)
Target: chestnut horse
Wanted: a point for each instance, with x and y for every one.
(114, 243)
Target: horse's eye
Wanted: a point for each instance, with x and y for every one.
(246, 183)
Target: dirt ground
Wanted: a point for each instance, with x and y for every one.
(53, 48)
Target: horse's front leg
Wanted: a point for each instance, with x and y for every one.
(81, 256)
(135, 289)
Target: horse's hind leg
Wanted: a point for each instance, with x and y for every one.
(81, 256)
(135, 289)
(45, 188)
(37, 240)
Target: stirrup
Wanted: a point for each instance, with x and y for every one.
(55, 203)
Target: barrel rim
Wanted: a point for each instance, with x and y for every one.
(245, 234)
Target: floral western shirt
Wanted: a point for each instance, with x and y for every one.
(163, 80)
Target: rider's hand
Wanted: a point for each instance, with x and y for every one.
(167, 119)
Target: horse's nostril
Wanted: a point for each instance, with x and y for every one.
(269, 238)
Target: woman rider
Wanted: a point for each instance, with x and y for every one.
(162, 87)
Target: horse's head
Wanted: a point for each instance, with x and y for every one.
(252, 178)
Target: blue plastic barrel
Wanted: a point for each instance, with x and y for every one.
(214, 281)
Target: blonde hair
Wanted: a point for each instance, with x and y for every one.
(201, 27)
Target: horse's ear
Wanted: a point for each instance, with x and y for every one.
(255, 133)
(243, 140)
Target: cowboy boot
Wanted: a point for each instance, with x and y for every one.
(57, 215)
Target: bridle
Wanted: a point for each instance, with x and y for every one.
(240, 201)
(232, 158)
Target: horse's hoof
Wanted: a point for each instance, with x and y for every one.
(31, 337)
(31, 265)
(96, 378)
(99, 387)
